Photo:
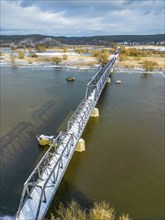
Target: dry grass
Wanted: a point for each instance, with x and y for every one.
(131, 62)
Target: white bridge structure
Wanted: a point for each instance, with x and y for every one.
(41, 186)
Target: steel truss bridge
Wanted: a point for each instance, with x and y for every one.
(41, 186)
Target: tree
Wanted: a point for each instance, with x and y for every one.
(21, 54)
(65, 57)
(12, 58)
(100, 211)
(32, 54)
(122, 57)
(40, 47)
(56, 60)
(149, 65)
(103, 57)
(65, 49)
(95, 53)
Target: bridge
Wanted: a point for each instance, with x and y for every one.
(41, 186)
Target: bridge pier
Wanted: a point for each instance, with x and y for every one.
(95, 112)
(80, 145)
(109, 80)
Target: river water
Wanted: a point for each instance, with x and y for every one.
(124, 158)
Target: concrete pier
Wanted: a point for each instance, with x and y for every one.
(80, 145)
(109, 80)
(111, 70)
(95, 112)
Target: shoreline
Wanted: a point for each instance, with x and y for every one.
(138, 70)
(116, 68)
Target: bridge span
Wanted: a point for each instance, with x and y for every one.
(41, 186)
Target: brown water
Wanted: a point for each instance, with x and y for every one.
(124, 158)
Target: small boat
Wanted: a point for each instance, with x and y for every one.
(44, 140)
(70, 78)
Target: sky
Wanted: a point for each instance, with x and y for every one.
(82, 17)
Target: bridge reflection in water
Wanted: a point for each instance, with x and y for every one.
(41, 186)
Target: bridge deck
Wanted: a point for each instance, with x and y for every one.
(42, 184)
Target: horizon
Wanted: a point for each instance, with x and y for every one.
(82, 36)
(85, 18)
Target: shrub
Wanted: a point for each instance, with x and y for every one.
(95, 53)
(103, 57)
(149, 65)
(34, 55)
(100, 211)
(122, 57)
(73, 212)
(65, 57)
(56, 60)
(65, 49)
(40, 47)
(21, 54)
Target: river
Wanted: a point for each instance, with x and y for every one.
(124, 158)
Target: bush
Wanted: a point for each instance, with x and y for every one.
(149, 65)
(73, 212)
(21, 54)
(100, 211)
(103, 57)
(95, 53)
(56, 60)
(34, 55)
(40, 47)
(122, 57)
(65, 49)
(65, 57)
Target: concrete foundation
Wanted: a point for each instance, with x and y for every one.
(80, 145)
(109, 80)
(95, 112)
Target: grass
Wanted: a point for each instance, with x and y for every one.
(132, 62)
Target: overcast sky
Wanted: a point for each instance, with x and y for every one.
(82, 17)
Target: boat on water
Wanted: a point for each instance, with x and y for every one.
(69, 78)
(44, 140)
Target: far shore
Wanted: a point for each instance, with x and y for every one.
(78, 61)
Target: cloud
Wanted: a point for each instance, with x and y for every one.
(82, 18)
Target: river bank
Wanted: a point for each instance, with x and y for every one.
(73, 60)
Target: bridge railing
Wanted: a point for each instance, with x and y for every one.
(55, 169)
(99, 79)
(37, 173)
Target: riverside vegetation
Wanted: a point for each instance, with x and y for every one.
(130, 57)
(100, 211)
(148, 59)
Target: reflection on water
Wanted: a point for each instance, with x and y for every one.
(124, 158)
